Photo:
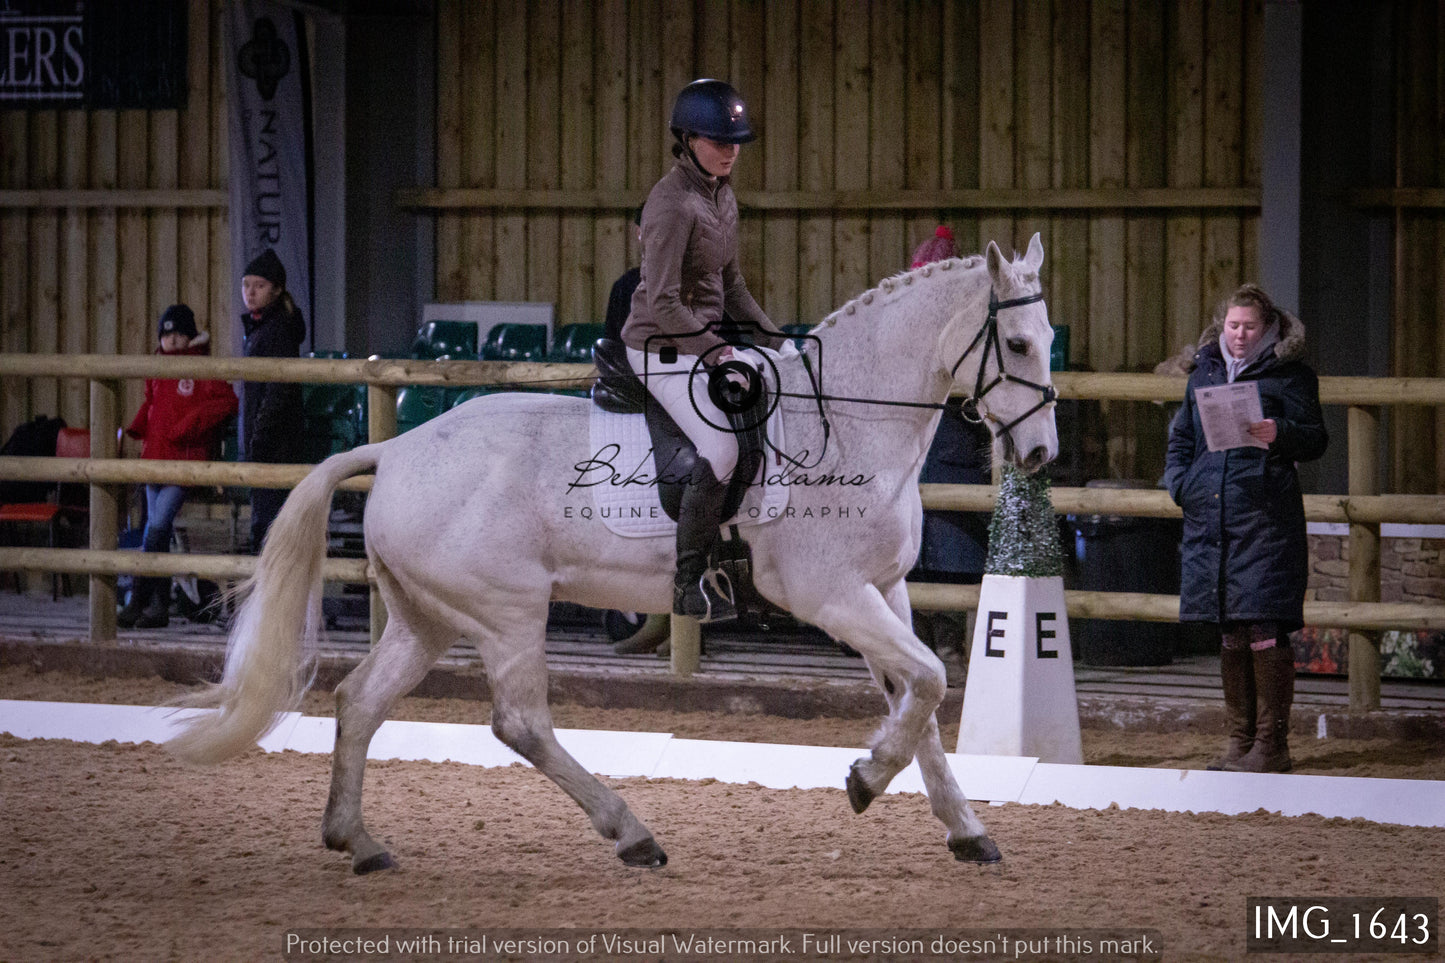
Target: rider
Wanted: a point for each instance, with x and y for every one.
(690, 276)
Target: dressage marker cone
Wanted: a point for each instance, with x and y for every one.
(1019, 697)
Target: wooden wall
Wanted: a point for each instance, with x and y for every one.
(883, 101)
(1419, 331)
(979, 115)
(79, 273)
(1127, 132)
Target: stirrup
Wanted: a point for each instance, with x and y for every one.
(714, 592)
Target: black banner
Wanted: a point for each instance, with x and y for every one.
(96, 55)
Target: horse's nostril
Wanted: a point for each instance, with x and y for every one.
(1037, 458)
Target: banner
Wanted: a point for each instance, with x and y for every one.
(92, 56)
(271, 191)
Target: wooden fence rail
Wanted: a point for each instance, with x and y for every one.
(1363, 508)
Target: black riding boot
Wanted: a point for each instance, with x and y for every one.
(156, 613)
(140, 593)
(695, 591)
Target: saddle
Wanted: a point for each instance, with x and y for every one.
(619, 390)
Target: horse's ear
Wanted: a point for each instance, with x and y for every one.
(1034, 259)
(994, 258)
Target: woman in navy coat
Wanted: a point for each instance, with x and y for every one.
(1245, 557)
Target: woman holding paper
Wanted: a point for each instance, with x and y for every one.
(1245, 558)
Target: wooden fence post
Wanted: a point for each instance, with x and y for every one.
(380, 425)
(1364, 673)
(104, 506)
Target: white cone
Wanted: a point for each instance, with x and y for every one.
(1019, 697)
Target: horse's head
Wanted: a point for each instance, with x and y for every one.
(1003, 361)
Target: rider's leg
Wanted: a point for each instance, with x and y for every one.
(678, 387)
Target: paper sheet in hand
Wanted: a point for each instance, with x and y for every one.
(1227, 411)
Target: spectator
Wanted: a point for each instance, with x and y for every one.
(955, 544)
(180, 420)
(272, 418)
(1245, 558)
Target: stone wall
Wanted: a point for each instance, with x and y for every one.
(1411, 569)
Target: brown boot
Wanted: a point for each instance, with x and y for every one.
(1274, 677)
(1236, 669)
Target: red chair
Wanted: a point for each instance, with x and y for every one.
(70, 443)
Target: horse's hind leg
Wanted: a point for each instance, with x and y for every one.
(401, 658)
(513, 649)
(967, 838)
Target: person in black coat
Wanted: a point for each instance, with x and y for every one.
(1245, 557)
(272, 415)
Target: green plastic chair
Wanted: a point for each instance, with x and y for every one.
(574, 342)
(446, 339)
(516, 342)
(416, 404)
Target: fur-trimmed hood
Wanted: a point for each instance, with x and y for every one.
(1289, 347)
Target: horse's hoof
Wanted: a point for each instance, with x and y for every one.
(859, 795)
(372, 864)
(644, 852)
(975, 849)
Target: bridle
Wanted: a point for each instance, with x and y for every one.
(988, 334)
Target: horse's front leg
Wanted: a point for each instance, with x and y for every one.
(910, 675)
(967, 837)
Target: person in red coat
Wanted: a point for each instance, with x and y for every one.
(180, 420)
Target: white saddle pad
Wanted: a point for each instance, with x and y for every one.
(630, 504)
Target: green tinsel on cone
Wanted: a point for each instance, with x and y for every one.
(1023, 536)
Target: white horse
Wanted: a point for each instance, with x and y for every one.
(473, 527)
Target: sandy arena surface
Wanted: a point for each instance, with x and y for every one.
(120, 852)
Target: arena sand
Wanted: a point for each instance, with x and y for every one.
(121, 852)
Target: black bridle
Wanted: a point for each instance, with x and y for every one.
(988, 335)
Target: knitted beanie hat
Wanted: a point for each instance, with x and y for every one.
(267, 265)
(177, 319)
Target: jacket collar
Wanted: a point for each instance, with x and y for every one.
(699, 177)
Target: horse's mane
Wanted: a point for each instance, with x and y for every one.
(888, 284)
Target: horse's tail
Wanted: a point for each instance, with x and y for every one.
(266, 670)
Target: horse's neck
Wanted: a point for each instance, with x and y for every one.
(886, 350)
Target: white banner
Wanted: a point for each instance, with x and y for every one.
(270, 163)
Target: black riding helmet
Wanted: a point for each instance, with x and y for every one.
(713, 109)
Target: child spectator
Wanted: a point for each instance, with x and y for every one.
(180, 420)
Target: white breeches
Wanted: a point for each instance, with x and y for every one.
(689, 405)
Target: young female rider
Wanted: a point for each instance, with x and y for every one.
(690, 276)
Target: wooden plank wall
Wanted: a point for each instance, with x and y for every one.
(95, 279)
(1419, 337)
(869, 97)
(877, 98)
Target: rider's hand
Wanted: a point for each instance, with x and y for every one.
(788, 350)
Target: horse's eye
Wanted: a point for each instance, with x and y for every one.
(1018, 345)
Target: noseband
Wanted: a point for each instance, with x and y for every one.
(988, 337)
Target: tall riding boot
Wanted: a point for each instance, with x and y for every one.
(157, 611)
(1274, 678)
(695, 591)
(140, 593)
(1236, 669)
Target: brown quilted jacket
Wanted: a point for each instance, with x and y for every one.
(690, 269)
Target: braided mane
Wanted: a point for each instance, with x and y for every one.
(889, 284)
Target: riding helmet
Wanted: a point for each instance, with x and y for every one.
(713, 109)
